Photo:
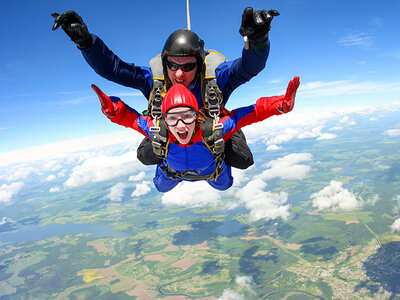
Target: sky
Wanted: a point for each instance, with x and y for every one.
(347, 54)
(53, 136)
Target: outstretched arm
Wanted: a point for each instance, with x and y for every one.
(102, 60)
(120, 113)
(254, 28)
(264, 108)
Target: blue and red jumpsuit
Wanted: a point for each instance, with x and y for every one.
(195, 155)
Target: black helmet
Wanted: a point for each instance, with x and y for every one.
(184, 42)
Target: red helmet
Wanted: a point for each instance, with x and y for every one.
(179, 95)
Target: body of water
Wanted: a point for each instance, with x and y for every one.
(23, 233)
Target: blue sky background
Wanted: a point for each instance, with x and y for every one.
(347, 53)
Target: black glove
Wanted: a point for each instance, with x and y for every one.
(256, 24)
(74, 27)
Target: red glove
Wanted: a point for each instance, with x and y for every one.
(108, 107)
(268, 106)
(288, 100)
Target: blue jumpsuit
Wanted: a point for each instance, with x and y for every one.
(229, 75)
(195, 155)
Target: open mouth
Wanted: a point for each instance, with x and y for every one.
(183, 135)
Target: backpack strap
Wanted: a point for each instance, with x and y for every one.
(211, 93)
(159, 87)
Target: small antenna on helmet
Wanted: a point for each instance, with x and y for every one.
(187, 14)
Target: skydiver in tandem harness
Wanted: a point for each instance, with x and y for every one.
(190, 144)
(183, 60)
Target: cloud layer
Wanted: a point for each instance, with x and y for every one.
(108, 157)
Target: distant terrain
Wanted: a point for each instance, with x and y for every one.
(329, 231)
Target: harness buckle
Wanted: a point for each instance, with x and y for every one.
(213, 98)
(219, 146)
(157, 148)
(156, 112)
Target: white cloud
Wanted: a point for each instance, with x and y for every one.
(396, 225)
(75, 101)
(116, 192)
(8, 128)
(336, 128)
(239, 176)
(373, 200)
(327, 136)
(8, 191)
(347, 121)
(55, 189)
(287, 167)
(51, 166)
(192, 194)
(21, 172)
(278, 130)
(231, 295)
(335, 197)
(262, 204)
(51, 177)
(396, 208)
(245, 281)
(137, 177)
(141, 189)
(284, 136)
(312, 133)
(5, 220)
(361, 39)
(273, 148)
(392, 132)
(347, 87)
(246, 284)
(103, 167)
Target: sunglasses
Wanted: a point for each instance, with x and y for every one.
(187, 117)
(185, 67)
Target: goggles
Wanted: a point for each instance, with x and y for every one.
(187, 117)
(185, 67)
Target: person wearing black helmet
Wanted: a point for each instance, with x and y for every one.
(182, 61)
(182, 57)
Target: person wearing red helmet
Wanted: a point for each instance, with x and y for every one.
(180, 110)
(186, 149)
